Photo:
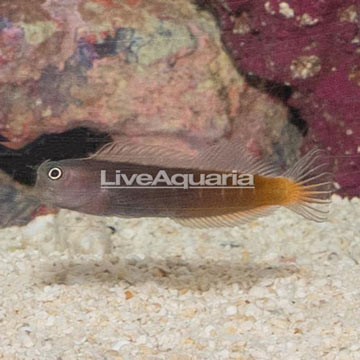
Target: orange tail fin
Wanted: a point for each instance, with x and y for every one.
(312, 187)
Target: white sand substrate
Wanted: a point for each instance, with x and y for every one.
(82, 287)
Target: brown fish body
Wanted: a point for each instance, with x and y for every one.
(83, 192)
(81, 188)
(165, 201)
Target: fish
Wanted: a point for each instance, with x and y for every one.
(95, 185)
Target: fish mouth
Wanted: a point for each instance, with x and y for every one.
(43, 195)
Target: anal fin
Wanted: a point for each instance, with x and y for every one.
(229, 220)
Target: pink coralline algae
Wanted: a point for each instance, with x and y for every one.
(10, 42)
(313, 46)
(134, 67)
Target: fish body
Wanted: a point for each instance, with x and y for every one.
(92, 186)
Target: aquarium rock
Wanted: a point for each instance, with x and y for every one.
(314, 47)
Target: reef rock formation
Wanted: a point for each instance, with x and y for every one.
(313, 46)
(134, 67)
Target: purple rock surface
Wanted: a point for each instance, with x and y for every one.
(313, 46)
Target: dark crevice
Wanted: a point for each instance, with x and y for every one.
(273, 88)
(3, 138)
(283, 93)
(298, 121)
(124, 41)
(76, 143)
(204, 5)
(106, 48)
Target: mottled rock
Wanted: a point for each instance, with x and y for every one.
(136, 68)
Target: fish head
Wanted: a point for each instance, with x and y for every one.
(66, 184)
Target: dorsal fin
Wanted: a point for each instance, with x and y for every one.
(227, 155)
(143, 154)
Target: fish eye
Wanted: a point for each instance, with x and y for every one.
(55, 173)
